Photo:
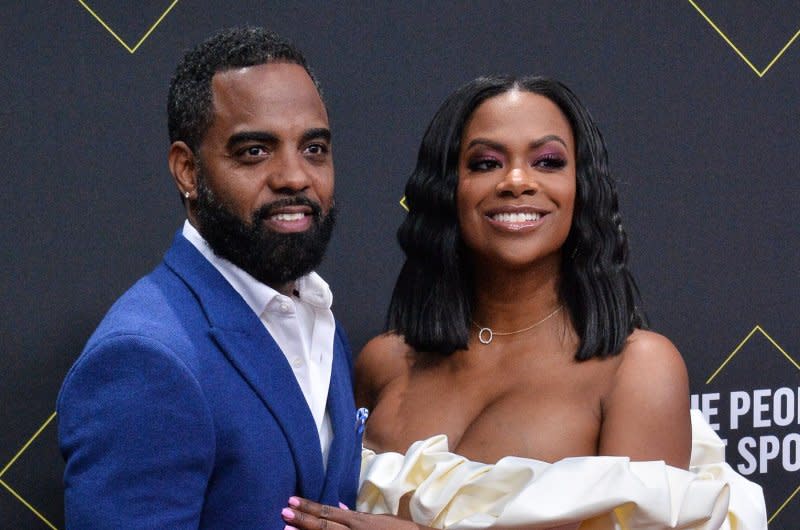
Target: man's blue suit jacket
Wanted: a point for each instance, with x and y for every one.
(182, 412)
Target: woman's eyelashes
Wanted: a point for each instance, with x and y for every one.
(484, 163)
(551, 161)
(547, 161)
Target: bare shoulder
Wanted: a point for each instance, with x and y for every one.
(383, 359)
(651, 370)
(648, 356)
(646, 412)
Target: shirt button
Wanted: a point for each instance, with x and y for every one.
(297, 363)
(285, 307)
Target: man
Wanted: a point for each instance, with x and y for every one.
(219, 385)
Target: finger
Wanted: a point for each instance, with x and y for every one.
(343, 506)
(321, 511)
(306, 521)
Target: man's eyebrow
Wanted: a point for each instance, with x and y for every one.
(250, 136)
(319, 133)
(322, 133)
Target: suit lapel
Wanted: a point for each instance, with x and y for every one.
(249, 347)
(342, 411)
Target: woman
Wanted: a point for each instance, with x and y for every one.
(515, 309)
(514, 322)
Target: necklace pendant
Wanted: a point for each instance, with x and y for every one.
(485, 335)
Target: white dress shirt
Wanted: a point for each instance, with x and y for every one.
(302, 326)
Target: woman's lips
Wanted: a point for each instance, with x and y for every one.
(516, 219)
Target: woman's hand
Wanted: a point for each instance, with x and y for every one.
(303, 514)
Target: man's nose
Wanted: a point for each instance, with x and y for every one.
(289, 174)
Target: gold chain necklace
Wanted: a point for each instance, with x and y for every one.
(489, 334)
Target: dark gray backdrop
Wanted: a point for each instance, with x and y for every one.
(705, 148)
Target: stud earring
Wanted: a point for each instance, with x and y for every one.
(186, 194)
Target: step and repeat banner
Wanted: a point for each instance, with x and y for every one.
(697, 100)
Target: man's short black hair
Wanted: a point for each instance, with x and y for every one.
(190, 104)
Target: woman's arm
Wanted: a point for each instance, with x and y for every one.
(381, 360)
(646, 412)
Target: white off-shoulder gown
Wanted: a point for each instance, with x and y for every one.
(604, 492)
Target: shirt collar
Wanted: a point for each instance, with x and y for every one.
(311, 288)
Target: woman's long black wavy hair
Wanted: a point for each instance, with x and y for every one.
(432, 301)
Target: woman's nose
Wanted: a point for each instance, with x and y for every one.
(518, 181)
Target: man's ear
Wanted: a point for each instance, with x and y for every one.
(183, 167)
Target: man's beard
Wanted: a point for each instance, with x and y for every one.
(270, 257)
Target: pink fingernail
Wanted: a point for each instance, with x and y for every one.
(294, 501)
(287, 527)
(343, 506)
(287, 514)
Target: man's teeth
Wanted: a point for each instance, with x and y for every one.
(516, 217)
(288, 216)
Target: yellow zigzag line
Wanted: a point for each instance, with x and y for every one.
(29, 442)
(785, 503)
(759, 73)
(119, 39)
(758, 328)
(16, 457)
(27, 505)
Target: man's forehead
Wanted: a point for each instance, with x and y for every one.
(273, 84)
(280, 98)
(272, 76)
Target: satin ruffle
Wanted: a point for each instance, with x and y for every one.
(605, 493)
